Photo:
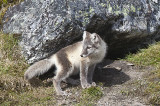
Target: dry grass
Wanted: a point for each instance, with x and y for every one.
(11, 60)
(14, 90)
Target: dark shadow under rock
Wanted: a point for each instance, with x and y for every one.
(111, 72)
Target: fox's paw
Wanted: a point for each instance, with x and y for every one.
(87, 85)
(93, 84)
(49, 79)
(63, 93)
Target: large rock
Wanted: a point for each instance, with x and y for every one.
(48, 25)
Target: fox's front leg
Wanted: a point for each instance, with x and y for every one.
(90, 74)
(83, 75)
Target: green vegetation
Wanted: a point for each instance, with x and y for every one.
(145, 57)
(90, 96)
(149, 87)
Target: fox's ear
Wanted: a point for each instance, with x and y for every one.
(95, 38)
(85, 34)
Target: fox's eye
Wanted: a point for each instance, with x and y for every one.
(94, 37)
(89, 47)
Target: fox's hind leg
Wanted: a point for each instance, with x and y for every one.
(64, 68)
(61, 74)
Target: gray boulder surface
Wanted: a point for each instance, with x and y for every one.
(49, 25)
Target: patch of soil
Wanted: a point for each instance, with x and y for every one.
(117, 76)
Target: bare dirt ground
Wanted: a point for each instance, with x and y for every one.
(119, 75)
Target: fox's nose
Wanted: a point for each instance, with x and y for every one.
(81, 55)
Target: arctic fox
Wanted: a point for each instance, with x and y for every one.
(80, 57)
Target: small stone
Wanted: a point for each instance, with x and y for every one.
(130, 64)
(118, 68)
(107, 66)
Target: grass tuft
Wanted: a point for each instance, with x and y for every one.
(145, 57)
(90, 96)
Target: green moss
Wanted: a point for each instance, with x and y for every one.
(90, 96)
(93, 92)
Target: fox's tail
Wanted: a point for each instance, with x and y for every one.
(38, 68)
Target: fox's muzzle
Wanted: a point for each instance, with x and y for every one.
(82, 55)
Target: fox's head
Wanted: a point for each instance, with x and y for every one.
(91, 44)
